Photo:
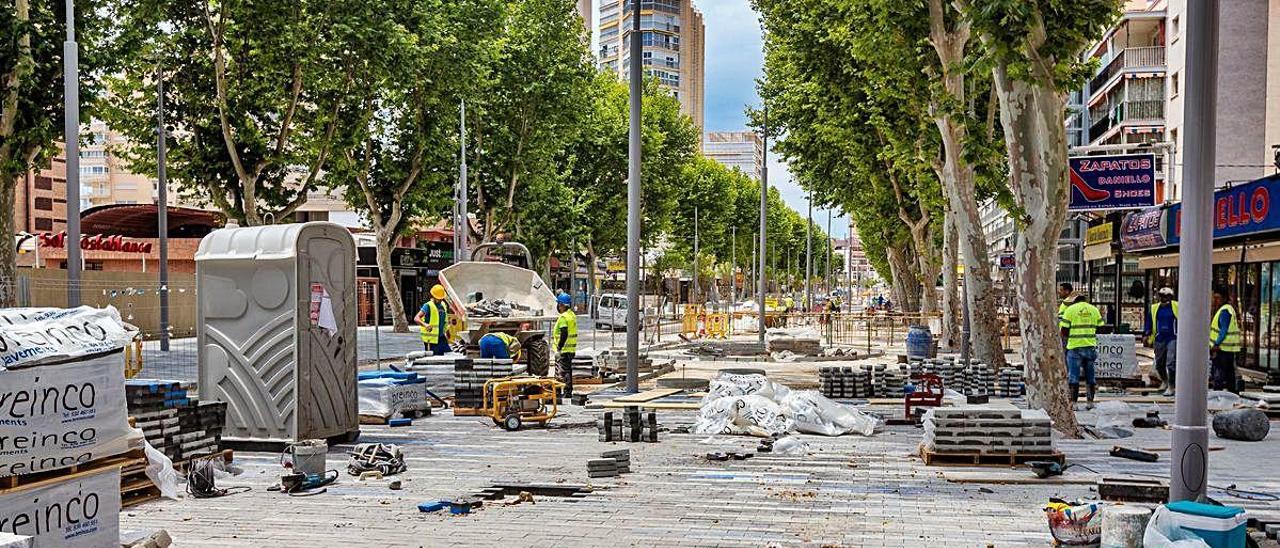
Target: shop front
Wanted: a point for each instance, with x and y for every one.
(416, 270)
(1117, 286)
(1246, 262)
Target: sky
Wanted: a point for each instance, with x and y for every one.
(734, 57)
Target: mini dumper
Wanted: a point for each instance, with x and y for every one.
(513, 401)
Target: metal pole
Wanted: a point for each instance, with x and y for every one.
(162, 194)
(695, 299)
(71, 132)
(733, 272)
(964, 337)
(462, 227)
(764, 227)
(826, 271)
(1189, 462)
(633, 208)
(808, 256)
(377, 325)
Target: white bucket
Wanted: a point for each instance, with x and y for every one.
(308, 457)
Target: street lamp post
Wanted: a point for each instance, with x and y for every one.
(633, 207)
(71, 131)
(162, 222)
(764, 205)
(1189, 465)
(808, 256)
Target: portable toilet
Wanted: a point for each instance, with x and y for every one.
(276, 331)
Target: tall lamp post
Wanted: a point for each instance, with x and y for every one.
(162, 221)
(71, 132)
(764, 205)
(1189, 462)
(633, 207)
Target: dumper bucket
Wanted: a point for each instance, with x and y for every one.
(469, 282)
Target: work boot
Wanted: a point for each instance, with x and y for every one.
(1075, 393)
(1168, 392)
(1093, 391)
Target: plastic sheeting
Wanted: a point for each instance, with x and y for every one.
(755, 406)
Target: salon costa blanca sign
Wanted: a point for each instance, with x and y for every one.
(97, 242)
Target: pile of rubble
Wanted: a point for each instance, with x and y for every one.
(496, 308)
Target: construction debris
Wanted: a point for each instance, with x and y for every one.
(1134, 454)
(1242, 425)
(753, 405)
(497, 308)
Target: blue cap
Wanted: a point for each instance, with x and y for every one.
(564, 299)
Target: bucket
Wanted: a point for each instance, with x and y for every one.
(308, 457)
(919, 342)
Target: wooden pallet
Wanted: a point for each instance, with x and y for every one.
(13, 483)
(974, 458)
(468, 412)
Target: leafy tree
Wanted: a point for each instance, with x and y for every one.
(396, 160)
(256, 91)
(31, 97)
(1035, 49)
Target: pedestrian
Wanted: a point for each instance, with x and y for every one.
(1225, 341)
(431, 320)
(500, 346)
(1080, 321)
(566, 340)
(1161, 330)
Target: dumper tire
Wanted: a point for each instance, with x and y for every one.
(539, 353)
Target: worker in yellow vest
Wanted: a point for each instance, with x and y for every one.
(1161, 329)
(431, 320)
(500, 346)
(1080, 322)
(565, 337)
(1225, 342)
(1066, 295)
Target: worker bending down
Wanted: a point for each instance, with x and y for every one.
(499, 346)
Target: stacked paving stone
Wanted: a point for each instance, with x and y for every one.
(804, 346)
(469, 376)
(891, 380)
(173, 422)
(615, 363)
(620, 456)
(987, 429)
(629, 425)
(584, 367)
(845, 382)
(1009, 383)
(978, 380)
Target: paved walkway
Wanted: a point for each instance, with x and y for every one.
(849, 491)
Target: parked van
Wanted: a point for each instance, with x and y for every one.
(611, 311)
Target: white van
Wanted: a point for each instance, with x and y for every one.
(611, 311)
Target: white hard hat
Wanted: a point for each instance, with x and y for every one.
(1165, 291)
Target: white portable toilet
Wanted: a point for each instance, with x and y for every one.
(276, 331)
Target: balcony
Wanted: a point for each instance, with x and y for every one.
(1148, 111)
(1148, 57)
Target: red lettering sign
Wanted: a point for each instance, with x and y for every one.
(97, 242)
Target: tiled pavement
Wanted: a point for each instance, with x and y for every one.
(850, 491)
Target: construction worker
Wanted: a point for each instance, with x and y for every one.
(1066, 296)
(431, 321)
(565, 339)
(1161, 330)
(1080, 321)
(501, 346)
(1225, 341)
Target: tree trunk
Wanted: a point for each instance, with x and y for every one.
(906, 282)
(1031, 115)
(927, 258)
(591, 276)
(8, 253)
(951, 312)
(390, 282)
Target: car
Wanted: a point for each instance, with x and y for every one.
(611, 311)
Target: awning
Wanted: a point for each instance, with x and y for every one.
(142, 221)
(1230, 255)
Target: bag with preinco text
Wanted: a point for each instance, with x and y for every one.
(62, 400)
(80, 511)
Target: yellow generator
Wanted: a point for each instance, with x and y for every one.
(513, 401)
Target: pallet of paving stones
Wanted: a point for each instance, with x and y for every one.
(845, 382)
(975, 458)
(628, 425)
(173, 422)
(610, 464)
(1000, 430)
(470, 375)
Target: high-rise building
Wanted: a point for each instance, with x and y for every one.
(104, 177)
(673, 38)
(740, 149)
(1136, 97)
(40, 202)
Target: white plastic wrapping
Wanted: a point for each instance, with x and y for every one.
(34, 336)
(1164, 532)
(753, 405)
(389, 397)
(160, 471)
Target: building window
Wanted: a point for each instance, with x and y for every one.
(44, 204)
(1173, 85)
(43, 223)
(93, 170)
(44, 183)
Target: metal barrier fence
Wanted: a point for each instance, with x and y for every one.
(853, 329)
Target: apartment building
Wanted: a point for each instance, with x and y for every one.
(736, 149)
(104, 176)
(40, 202)
(673, 50)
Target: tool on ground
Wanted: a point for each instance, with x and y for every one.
(1134, 454)
(304, 464)
(1152, 420)
(1047, 468)
(384, 458)
(200, 479)
(513, 401)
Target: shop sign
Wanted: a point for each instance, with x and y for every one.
(1125, 181)
(1245, 209)
(1008, 261)
(1143, 229)
(1117, 357)
(616, 266)
(1100, 234)
(96, 242)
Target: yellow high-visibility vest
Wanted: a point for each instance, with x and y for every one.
(1234, 340)
(435, 323)
(570, 320)
(1081, 321)
(1151, 338)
